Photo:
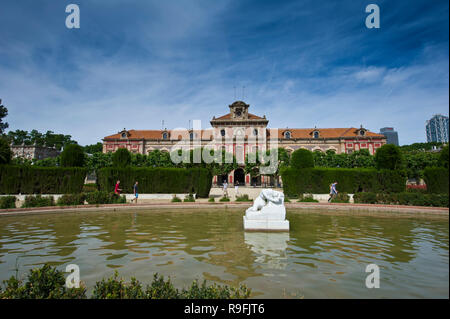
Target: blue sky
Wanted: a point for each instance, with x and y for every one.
(307, 63)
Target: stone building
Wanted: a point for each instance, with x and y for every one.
(240, 132)
(33, 151)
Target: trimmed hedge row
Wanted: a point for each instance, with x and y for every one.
(351, 180)
(41, 180)
(406, 198)
(436, 179)
(157, 180)
(7, 202)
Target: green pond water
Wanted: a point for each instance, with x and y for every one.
(323, 255)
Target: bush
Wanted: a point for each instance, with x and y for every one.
(7, 202)
(354, 180)
(5, 152)
(389, 156)
(405, 198)
(302, 158)
(38, 201)
(307, 199)
(49, 283)
(443, 157)
(211, 199)
(157, 180)
(243, 198)
(224, 199)
(190, 198)
(73, 156)
(121, 158)
(176, 199)
(102, 197)
(44, 283)
(87, 188)
(40, 180)
(341, 198)
(71, 199)
(436, 179)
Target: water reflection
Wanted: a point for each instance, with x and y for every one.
(322, 255)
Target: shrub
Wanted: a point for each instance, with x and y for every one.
(318, 180)
(224, 199)
(302, 158)
(389, 156)
(121, 158)
(101, 197)
(211, 199)
(436, 179)
(157, 180)
(38, 201)
(308, 198)
(341, 198)
(73, 156)
(405, 198)
(443, 157)
(42, 283)
(190, 198)
(49, 283)
(7, 202)
(176, 199)
(287, 200)
(243, 198)
(71, 199)
(40, 180)
(5, 152)
(89, 188)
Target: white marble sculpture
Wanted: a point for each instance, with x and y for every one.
(267, 213)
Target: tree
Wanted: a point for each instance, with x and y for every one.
(443, 157)
(73, 156)
(389, 156)
(3, 114)
(302, 158)
(94, 148)
(121, 158)
(5, 152)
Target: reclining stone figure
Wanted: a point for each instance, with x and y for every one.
(269, 205)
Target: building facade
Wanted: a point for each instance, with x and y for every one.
(240, 133)
(391, 135)
(437, 129)
(31, 152)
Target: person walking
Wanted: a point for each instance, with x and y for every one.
(117, 190)
(225, 186)
(333, 191)
(135, 190)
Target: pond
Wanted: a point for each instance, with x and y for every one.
(323, 256)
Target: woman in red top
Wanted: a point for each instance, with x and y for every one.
(117, 190)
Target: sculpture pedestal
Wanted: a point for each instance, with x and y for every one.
(266, 224)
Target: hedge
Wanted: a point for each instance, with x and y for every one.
(436, 179)
(352, 180)
(157, 180)
(7, 202)
(41, 180)
(38, 201)
(406, 198)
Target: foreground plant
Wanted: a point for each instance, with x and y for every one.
(49, 283)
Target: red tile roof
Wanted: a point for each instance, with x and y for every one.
(325, 132)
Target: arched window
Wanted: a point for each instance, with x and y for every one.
(255, 132)
(287, 134)
(316, 134)
(124, 135)
(362, 132)
(164, 136)
(222, 132)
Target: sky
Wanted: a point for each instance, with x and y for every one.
(133, 64)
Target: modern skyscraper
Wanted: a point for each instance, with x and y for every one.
(391, 135)
(437, 129)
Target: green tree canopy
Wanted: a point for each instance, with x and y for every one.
(302, 158)
(93, 148)
(443, 157)
(73, 156)
(389, 156)
(5, 152)
(3, 114)
(121, 158)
